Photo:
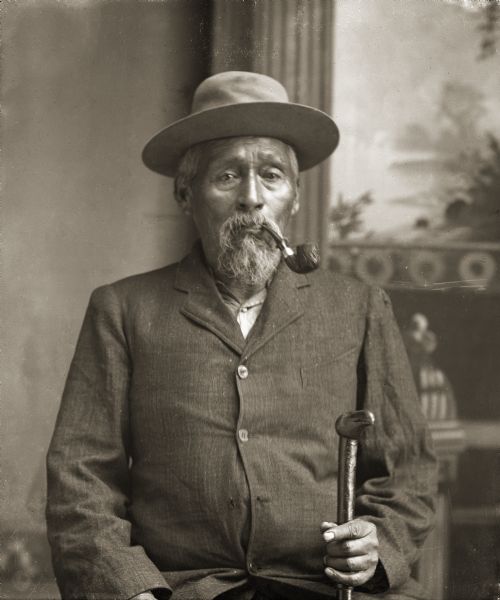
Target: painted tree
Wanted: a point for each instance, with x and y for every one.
(483, 191)
(346, 217)
(489, 29)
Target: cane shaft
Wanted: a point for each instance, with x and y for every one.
(347, 480)
(344, 593)
(346, 492)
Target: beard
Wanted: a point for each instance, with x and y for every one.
(244, 255)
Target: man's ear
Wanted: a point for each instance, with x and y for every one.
(183, 196)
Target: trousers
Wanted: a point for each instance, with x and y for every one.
(268, 594)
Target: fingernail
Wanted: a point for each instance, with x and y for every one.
(328, 536)
(329, 571)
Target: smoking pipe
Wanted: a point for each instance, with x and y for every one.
(303, 259)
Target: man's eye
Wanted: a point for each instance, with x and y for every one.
(227, 176)
(273, 175)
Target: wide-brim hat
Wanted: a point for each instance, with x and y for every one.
(240, 103)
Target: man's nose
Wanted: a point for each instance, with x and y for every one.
(250, 197)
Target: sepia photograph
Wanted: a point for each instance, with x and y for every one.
(250, 268)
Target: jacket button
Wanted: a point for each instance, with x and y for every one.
(243, 435)
(242, 372)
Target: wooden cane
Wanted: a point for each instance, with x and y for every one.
(349, 426)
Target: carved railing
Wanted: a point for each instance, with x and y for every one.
(422, 265)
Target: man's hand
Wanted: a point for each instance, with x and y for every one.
(351, 551)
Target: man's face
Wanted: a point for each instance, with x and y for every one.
(239, 182)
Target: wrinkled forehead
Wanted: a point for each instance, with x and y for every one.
(248, 149)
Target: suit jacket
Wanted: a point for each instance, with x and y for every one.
(172, 468)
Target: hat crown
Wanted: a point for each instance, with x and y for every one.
(236, 87)
(239, 104)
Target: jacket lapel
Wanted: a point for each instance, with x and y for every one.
(204, 305)
(282, 307)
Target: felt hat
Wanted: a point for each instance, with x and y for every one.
(241, 103)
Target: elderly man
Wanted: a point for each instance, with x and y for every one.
(195, 453)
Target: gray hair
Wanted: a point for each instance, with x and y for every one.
(189, 163)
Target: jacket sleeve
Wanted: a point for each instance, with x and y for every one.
(397, 475)
(87, 468)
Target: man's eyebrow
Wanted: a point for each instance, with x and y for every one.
(273, 156)
(271, 159)
(266, 155)
(277, 162)
(223, 160)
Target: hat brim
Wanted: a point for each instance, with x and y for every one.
(311, 133)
